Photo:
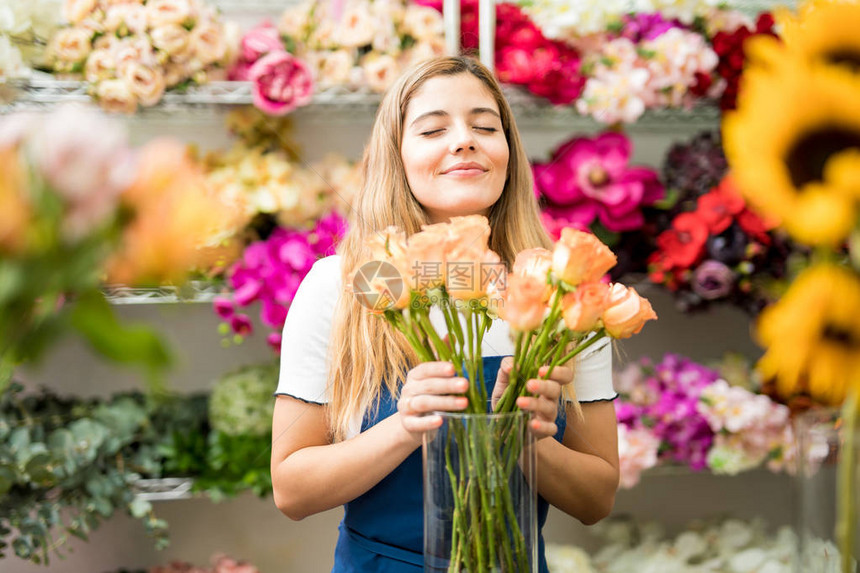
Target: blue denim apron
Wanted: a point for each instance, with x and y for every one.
(383, 530)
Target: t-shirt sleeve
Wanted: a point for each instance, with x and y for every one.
(592, 380)
(304, 347)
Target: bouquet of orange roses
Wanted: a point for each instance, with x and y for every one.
(556, 306)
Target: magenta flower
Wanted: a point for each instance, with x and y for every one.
(591, 179)
(643, 27)
(274, 341)
(271, 270)
(281, 83)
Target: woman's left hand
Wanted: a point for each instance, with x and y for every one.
(544, 404)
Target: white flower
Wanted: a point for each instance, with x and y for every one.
(207, 43)
(171, 38)
(76, 11)
(131, 16)
(690, 544)
(747, 561)
(567, 559)
(164, 12)
(11, 63)
(734, 535)
(146, 83)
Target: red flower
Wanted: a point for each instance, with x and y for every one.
(755, 226)
(719, 206)
(683, 244)
(730, 49)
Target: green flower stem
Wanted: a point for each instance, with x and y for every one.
(556, 355)
(547, 326)
(404, 324)
(846, 509)
(455, 335)
(569, 356)
(442, 350)
(482, 329)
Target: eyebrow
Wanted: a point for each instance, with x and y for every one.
(441, 113)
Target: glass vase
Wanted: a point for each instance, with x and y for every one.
(480, 497)
(824, 451)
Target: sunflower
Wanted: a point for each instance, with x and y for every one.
(812, 335)
(821, 32)
(792, 145)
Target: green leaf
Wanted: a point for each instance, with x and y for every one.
(93, 317)
(140, 508)
(607, 237)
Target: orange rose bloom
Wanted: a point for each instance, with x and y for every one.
(469, 272)
(471, 230)
(580, 257)
(425, 259)
(582, 308)
(627, 312)
(537, 263)
(523, 306)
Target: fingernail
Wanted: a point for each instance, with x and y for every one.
(532, 385)
(536, 424)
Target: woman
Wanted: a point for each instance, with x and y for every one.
(352, 401)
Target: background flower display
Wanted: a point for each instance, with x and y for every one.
(680, 412)
(721, 251)
(727, 544)
(220, 564)
(356, 44)
(131, 53)
(79, 206)
(68, 464)
(285, 215)
(25, 28)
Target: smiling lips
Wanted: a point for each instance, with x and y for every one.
(468, 169)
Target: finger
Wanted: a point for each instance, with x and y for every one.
(417, 424)
(431, 369)
(548, 388)
(455, 385)
(561, 374)
(425, 403)
(540, 407)
(542, 429)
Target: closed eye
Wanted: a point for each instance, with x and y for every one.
(431, 132)
(488, 129)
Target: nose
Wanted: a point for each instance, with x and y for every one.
(462, 138)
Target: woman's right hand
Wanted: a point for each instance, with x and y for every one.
(430, 387)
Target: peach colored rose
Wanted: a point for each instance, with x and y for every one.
(422, 22)
(171, 39)
(469, 272)
(294, 19)
(131, 16)
(164, 12)
(580, 257)
(422, 50)
(115, 96)
(380, 71)
(100, 66)
(355, 28)
(105, 43)
(535, 262)
(425, 257)
(523, 307)
(332, 68)
(136, 49)
(472, 230)
(146, 83)
(627, 312)
(582, 308)
(75, 11)
(71, 45)
(208, 43)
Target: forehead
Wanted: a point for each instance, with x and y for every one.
(451, 94)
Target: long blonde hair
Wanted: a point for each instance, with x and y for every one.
(365, 353)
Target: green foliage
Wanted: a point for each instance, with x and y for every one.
(241, 401)
(66, 465)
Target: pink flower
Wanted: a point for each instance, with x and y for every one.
(637, 451)
(589, 179)
(281, 83)
(260, 41)
(241, 324)
(223, 307)
(274, 341)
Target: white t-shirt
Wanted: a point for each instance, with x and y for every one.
(304, 365)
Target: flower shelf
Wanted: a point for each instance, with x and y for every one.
(195, 291)
(163, 489)
(203, 101)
